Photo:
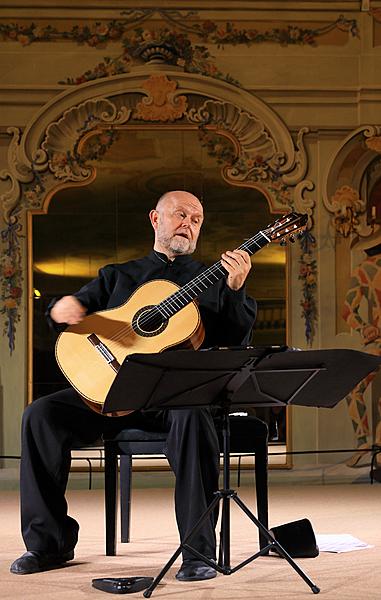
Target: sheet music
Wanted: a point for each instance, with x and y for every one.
(340, 542)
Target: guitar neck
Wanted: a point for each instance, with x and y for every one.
(206, 279)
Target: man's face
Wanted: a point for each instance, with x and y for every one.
(177, 222)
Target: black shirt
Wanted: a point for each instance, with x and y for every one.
(228, 316)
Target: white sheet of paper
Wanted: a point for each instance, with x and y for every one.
(339, 542)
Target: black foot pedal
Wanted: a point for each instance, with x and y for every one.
(122, 585)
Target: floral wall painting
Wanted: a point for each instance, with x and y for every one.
(11, 279)
(183, 38)
(308, 278)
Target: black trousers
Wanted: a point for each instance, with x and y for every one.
(54, 424)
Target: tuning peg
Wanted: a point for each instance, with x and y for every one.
(291, 238)
(283, 242)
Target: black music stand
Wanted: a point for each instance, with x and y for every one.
(259, 376)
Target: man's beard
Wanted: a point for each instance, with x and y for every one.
(178, 244)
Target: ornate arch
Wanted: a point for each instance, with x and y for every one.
(250, 141)
(352, 171)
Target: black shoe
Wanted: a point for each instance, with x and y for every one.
(195, 571)
(35, 562)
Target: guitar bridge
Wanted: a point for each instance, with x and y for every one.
(104, 351)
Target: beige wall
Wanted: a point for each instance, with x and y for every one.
(332, 87)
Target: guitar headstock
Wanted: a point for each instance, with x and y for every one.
(286, 227)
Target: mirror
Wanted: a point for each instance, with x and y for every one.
(107, 221)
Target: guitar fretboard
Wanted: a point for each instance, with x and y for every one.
(206, 279)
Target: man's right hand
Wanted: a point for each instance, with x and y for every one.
(68, 310)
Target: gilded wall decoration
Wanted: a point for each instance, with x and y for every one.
(161, 104)
(180, 39)
(251, 143)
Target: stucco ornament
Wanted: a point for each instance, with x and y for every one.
(347, 207)
(63, 137)
(374, 143)
(161, 104)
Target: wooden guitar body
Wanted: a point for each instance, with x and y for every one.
(90, 353)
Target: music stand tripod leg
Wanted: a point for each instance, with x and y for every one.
(184, 545)
(226, 495)
(272, 544)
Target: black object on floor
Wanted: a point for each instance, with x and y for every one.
(297, 538)
(122, 585)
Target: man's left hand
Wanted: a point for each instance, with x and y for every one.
(238, 264)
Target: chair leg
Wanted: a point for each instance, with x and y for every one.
(261, 488)
(125, 496)
(111, 486)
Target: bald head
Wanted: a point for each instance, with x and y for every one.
(177, 221)
(178, 196)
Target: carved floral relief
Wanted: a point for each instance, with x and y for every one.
(161, 104)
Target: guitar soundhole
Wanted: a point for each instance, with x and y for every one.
(148, 321)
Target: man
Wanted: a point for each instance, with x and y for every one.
(54, 424)
(365, 285)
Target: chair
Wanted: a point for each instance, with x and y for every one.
(247, 435)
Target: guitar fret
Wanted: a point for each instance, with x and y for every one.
(162, 310)
(183, 291)
(206, 277)
(176, 302)
(216, 276)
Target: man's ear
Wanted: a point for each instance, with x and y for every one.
(154, 218)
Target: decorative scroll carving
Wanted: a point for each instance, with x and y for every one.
(161, 103)
(62, 138)
(255, 160)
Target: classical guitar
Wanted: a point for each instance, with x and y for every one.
(158, 315)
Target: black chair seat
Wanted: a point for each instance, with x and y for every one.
(247, 435)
